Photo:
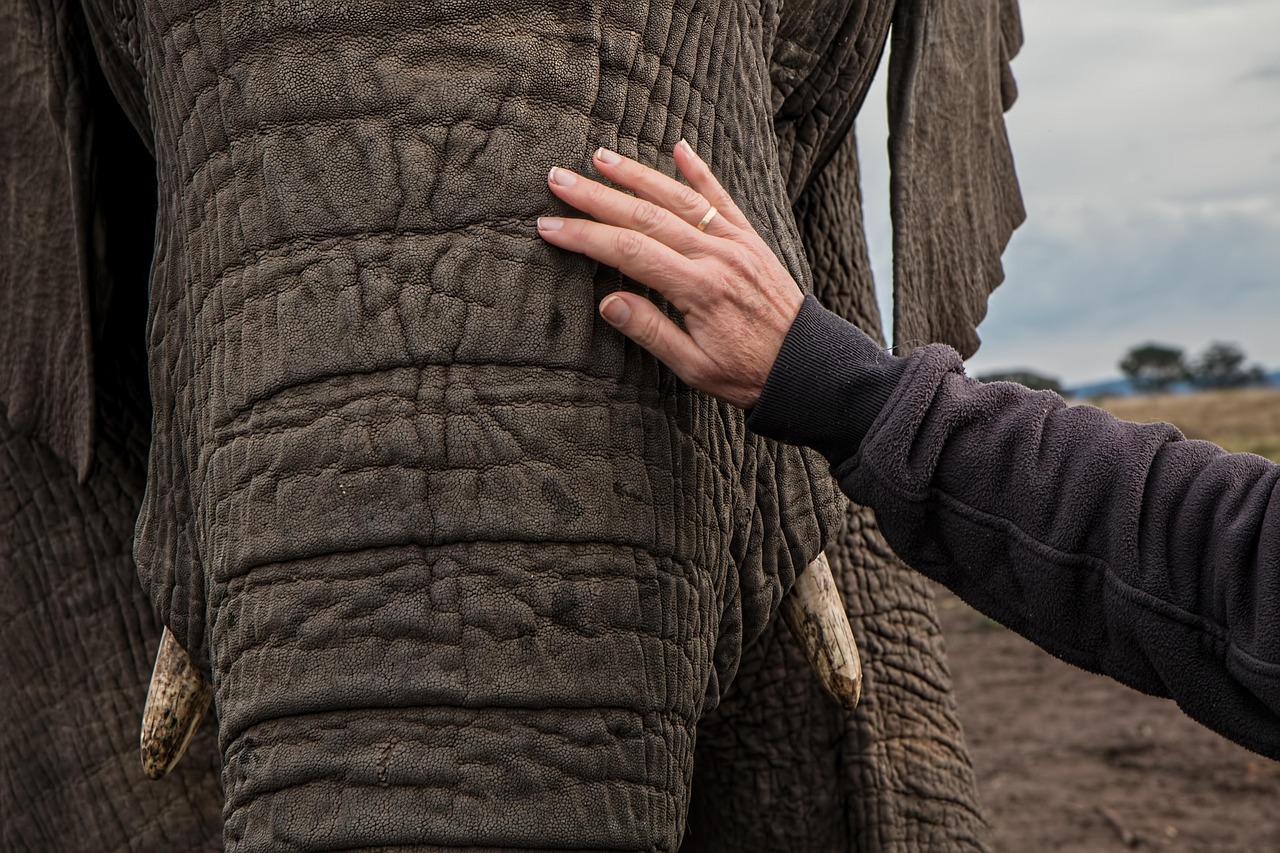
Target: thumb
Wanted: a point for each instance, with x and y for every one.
(641, 321)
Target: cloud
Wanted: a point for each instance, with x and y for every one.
(1265, 73)
(1147, 141)
(1143, 100)
(1164, 224)
(1084, 288)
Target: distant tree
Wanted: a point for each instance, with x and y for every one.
(1221, 365)
(1154, 367)
(1030, 379)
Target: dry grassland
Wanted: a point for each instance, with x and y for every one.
(1075, 763)
(1243, 420)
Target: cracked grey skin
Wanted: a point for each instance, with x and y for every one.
(466, 569)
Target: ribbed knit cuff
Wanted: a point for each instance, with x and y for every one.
(827, 387)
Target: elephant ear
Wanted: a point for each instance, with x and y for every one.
(72, 170)
(46, 349)
(822, 59)
(954, 194)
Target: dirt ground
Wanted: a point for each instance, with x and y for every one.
(1067, 760)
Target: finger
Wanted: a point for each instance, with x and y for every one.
(703, 182)
(653, 186)
(637, 256)
(624, 211)
(641, 321)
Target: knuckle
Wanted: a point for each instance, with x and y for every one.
(647, 216)
(742, 262)
(648, 329)
(627, 244)
(690, 199)
(595, 192)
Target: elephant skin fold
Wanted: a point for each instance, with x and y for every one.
(464, 567)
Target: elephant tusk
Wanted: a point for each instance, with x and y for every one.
(817, 619)
(176, 703)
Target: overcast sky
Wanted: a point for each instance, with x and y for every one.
(1147, 140)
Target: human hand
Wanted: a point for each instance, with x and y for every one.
(737, 298)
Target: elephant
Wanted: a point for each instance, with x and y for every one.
(287, 370)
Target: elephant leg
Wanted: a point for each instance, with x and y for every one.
(779, 765)
(77, 636)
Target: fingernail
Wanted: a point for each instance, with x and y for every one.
(688, 149)
(550, 223)
(604, 155)
(563, 177)
(615, 310)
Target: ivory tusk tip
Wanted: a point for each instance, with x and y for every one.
(177, 701)
(845, 689)
(817, 619)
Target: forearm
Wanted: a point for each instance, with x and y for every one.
(1120, 547)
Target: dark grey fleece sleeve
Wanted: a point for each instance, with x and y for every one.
(829, 383)
(1123, 548)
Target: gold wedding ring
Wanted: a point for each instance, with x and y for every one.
(706, 218)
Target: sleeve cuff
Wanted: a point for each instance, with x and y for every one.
(827, 387)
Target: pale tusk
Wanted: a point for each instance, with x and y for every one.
(176, 703)
(817, 619)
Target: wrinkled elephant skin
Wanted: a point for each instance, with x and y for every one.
(464, 568)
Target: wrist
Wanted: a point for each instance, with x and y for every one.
(827, 385)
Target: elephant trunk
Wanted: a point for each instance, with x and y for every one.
(179, 694)
(464, 567)
(455, 697)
